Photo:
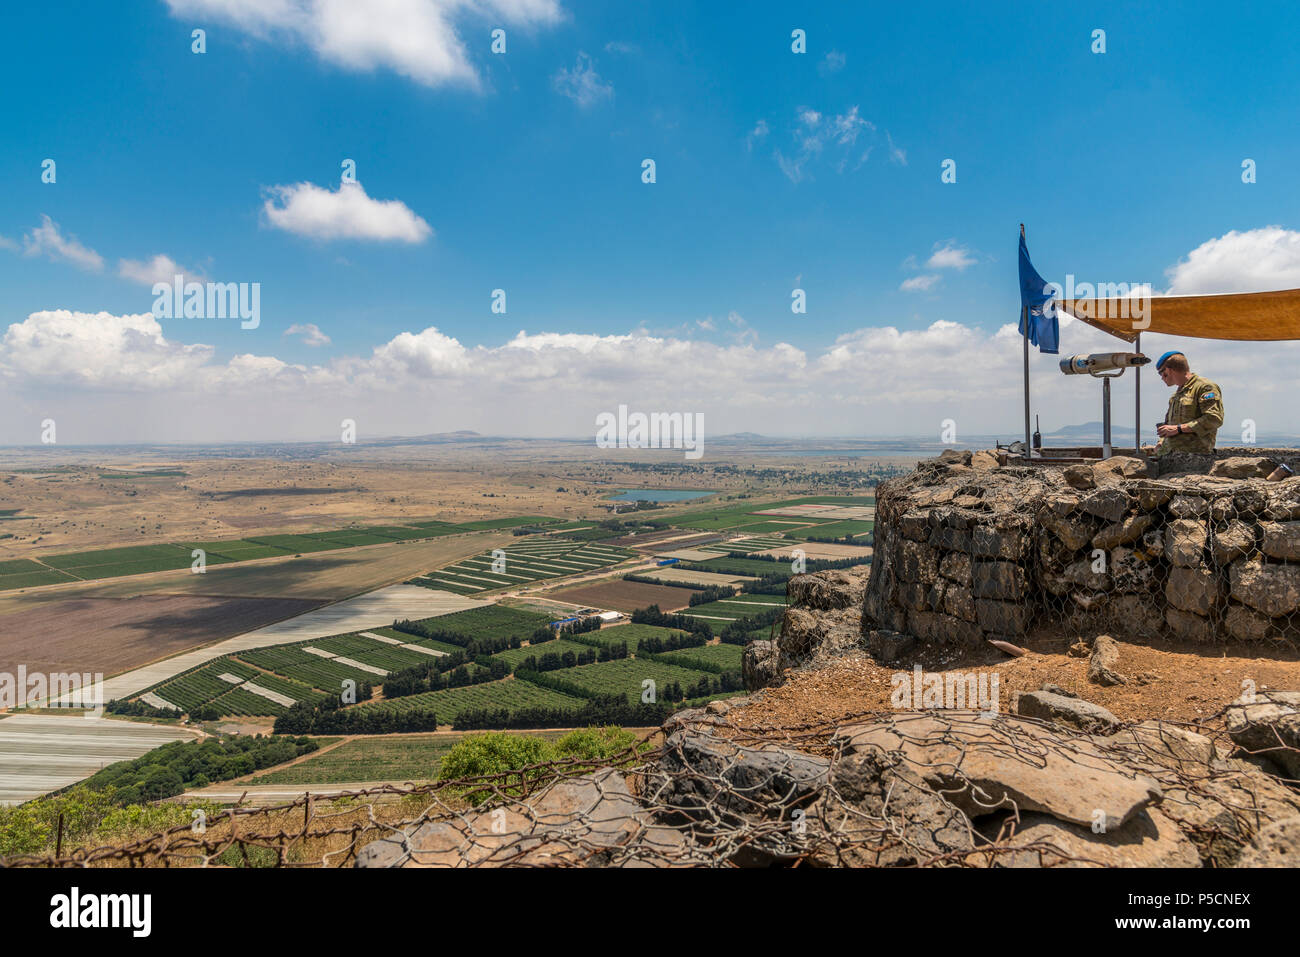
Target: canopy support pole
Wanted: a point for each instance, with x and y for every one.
(1137, 400)
(1024, 318)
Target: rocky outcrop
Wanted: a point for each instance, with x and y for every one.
(916, 788)
(823, 621)
(1071, 711)
(1266, 726)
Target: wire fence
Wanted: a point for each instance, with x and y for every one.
(1195, 558)
(793, 796)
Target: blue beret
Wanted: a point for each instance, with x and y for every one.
(1160, 363)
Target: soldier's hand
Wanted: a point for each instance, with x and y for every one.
(1165, 431)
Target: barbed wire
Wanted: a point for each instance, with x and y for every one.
(719, 795)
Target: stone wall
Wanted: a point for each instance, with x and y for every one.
(966, 550)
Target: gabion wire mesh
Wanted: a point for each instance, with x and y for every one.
(725, 798)
(1193, 557)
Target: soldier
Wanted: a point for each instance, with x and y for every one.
(1195, 410)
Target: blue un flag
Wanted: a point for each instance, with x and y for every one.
(1044, 331)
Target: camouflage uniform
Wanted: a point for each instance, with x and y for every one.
(1198, 406)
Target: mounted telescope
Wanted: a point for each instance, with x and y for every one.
(1104, 366)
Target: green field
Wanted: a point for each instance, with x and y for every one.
(520, 564)
(626, 675)
(835, 529)
(142, 559)
(508, 693)
(734, 516)
(492, 621)
(735, 608)
(402, 636)
(407, 757)
(738, 566)
(726, 656)
(632, 633)
(557, 646)
(202, 686)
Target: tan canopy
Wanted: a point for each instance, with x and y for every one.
(1253, 316)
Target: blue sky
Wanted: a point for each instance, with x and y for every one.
(775, 170)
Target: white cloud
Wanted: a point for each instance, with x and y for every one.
(80, 350)
(310, 334)
(922, 283)
(1257, 260)
(47, 240)
(419, 39)
(884, 379)
(158, 269)
(345, 213)
(949, 255)
(582, 84)
(756, 135)
(618, 46)
(833, 62)
(896, 154)
(817, 135)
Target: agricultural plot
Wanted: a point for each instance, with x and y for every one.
(242, 702)
(743, 545)
(491, 621)
(523, 563)
(142, 559)
(557, 646)
(508, 693)
(403, 638)
(406, 757)
(735, 516)
(724, 656)
(734, 609)
(37, 574)
(671, 575)
(371, 652)
(833, 530)
(492, 524)
(214, 683)
(632, 633)
(625, 676)
(626, 596)
(237, 550)
(762, 528)
(741, 566)
(115, 562)
(296, 544)
(297, 664)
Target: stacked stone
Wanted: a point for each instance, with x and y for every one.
(967, 551)
(950, 560)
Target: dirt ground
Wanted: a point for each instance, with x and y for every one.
(109, 635)
(627, 596)
(1173, 682)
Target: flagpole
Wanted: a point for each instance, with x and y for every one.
(1024, 322)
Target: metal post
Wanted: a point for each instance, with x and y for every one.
(1024, 322)
(1024, 313)
(1105, 417)
(1137, 400)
